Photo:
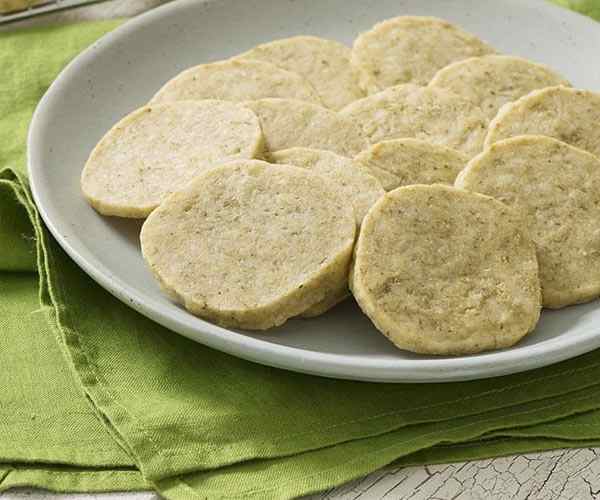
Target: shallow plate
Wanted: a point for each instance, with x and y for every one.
(124, 69)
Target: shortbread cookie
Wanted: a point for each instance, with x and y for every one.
(249, 244)
(288, 123)
(158, 149)
(569, 115)
(410, 49)
(324, 63)
(557, 187)
(429, 114)
(492, 81)
(329, 302)
(444, 271)
(334, 291)
(354, 183)
(236, 80)
(402, 162)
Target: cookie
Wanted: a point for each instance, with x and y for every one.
(410, 49)
(249, 244)
(429, 114)
(289, 123)
(354, 184)
(236, 80)
(323, 63)
(158, 149)
(445, 271)
(402, 162)
(332, 299)
(557, 188)
(492, 81)
(567, 114)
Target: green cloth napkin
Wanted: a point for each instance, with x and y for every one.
(588, 7)
(95, 397)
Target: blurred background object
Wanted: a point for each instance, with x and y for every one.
(29, 12)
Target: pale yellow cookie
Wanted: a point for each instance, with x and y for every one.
(329, 302)
(410, 49)
(492, 81)
(567, 114)
(158, 149)
(288, 123)
(428, 114)
(402, 162)
(445, 271)
(236, 80)
(557, 188)
(324, 63)
(352, 182)
(249, 244)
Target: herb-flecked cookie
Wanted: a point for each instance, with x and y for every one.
(402, 162)
(324, 63)
(492, 81)
(557, 188)
(411, 49)
(567, 114)
(236, 80)
(158, 149)
(429, 114)
(355, 184)
(445, 271)
(287, 123)
(250, 244)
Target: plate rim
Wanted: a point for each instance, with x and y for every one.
(492, 364)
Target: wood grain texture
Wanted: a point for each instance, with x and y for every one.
(557, 475)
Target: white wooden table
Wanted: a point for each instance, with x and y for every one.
(554, 475)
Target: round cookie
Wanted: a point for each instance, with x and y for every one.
(236, 80)
(402, 162)
(323, 63)
(353, 183)
(557, 188)
(248, 244)
(444, 271)
(567, 114)
(158, 149)
(492, 81)
(410, 49)
(287, 123)
(333, 292)
(429, 114)
(332, 299)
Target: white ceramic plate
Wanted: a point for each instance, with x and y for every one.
(124, 69)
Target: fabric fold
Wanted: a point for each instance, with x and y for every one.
(75, 480)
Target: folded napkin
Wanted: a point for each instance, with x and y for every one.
(588, 7)
(95, 397)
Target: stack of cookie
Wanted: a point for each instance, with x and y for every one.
(453, 190)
